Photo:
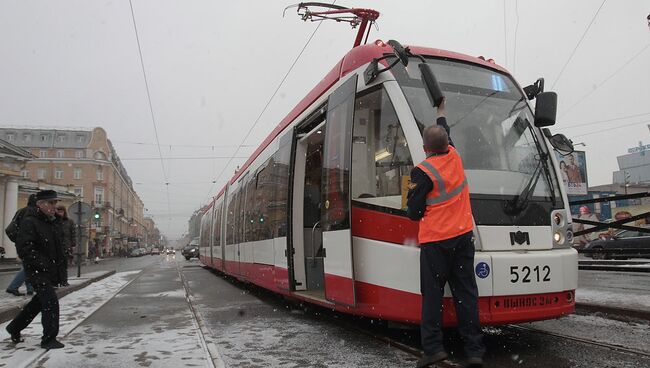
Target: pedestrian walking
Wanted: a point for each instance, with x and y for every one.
(92, 253)
(439, 198)
(38, 243)
(69, 242)
(17, 282)
(12, 233)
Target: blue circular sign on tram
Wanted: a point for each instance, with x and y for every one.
(482, 270)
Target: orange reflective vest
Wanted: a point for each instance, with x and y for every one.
(448, 212)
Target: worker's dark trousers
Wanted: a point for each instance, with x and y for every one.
(449, 260)
(47, 303)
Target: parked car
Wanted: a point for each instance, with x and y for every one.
(623, 244)
(135, 252)
(155, 251)
(190, 251)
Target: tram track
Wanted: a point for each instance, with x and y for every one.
(615, 347)
(399, 338)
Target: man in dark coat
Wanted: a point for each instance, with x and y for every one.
(38, 245)
(12, 233)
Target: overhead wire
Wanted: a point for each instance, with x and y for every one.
(505, 33)
(180, 158)
(182, 145)
(603, 121)
(606, 80)
(514, 56)
(611, 128)
(153, 116)
(265, 107)
(578, 44)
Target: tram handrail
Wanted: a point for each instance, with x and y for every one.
(313, 248)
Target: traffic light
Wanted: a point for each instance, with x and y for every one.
(97, 215)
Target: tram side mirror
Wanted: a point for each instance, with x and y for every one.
(431, 84)
(400, 51)
(560, 142)
(545, 109)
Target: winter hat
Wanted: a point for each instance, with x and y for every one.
(47, 195)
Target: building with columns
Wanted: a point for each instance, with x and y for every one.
(12, 160)
(86, 162)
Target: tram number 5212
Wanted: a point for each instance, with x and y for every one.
(526, 274)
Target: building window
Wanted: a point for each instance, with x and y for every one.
(79, 154)
(79, 191)
(43, 154)
(100, 174)
(10, 137)
(99, 194)
(61, 138)
(27, 137)
(80, 139)
(41, 173)
(43, 137)
(24, 173)
(59, 154)
(58, 173)
(77, 173)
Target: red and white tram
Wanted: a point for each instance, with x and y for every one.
(317, 212)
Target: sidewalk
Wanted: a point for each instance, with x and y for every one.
(10, 305)
(9, 265)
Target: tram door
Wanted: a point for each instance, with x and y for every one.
(321, 234)
(307, 259)
(335, 189)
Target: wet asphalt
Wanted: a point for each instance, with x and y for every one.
(149, 323)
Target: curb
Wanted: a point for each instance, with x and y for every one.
(614, 268)
(9, 313)
(624, 312)
(13, 269)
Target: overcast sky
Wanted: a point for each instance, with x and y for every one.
(213, 65)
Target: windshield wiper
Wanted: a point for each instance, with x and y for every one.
(520, 202)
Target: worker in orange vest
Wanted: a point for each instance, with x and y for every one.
(439, 198)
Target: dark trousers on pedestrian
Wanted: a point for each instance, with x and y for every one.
(45, 302)
(450, 260)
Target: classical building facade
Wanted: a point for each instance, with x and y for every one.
(86, 162)
(12, 160)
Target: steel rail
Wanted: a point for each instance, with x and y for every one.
(615, 347)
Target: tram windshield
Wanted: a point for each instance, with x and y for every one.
(490, 125)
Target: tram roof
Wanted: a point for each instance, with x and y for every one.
(356, 57)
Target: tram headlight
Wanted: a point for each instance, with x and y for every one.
(558, 237)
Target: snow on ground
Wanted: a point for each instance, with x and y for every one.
(631, 335)
(74, 309)
(611, 298)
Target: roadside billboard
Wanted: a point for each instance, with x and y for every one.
(573, 171)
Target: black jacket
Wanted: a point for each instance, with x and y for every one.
(69, 234)
(39, 245)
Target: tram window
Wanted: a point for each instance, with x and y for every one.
(381, 160)
(230, 219)
(259, 193)
(277, 219)
(216, 225)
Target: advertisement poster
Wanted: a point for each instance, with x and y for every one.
(573, 171)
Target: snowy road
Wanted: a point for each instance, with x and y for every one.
(168, 312)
